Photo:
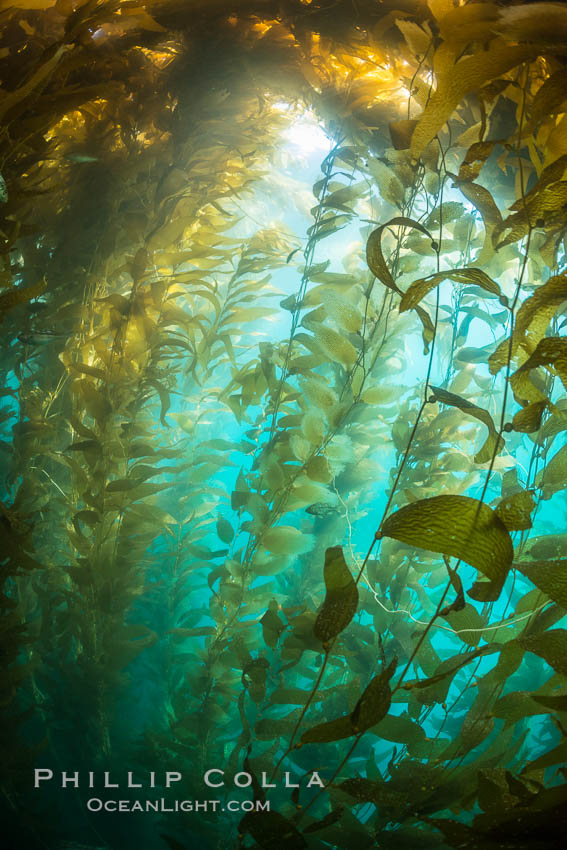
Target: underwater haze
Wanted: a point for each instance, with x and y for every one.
(283, 296)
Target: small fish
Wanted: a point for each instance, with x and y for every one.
(80, 157)
(320, 509)
(39, 337)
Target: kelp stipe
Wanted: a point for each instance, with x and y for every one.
(283, 490)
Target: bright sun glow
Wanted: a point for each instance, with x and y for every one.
(308, 136)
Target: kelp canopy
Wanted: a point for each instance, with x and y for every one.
(279, 497)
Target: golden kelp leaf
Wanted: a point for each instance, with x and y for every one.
(475, 22)
(416, 38)
(493, 443)
(524, 389)
(555, 474)
(379, 268)
(532, 320)
(343, 312)
(335, 345)
(453, 400)
(546, 208)
(383, 394)
(286, 540)
(549, 97)
(483, 201)
(318, 392)
(552, 173)
(475, 158)
(528, 420)
(490, 448)
(421, 287)
(374, 255)
(550, 351)
(389, 184)
(544, 23)
(549, 576)
(459, 526)
(515, 511)
(455, 79)
(401, 133)
(445, 213)
(550, 645)
(341, 600)
(374, 703)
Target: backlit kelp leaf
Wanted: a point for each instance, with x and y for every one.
(475, 158)
(341, 600)
(375, 257)
(532, 320)
(272, 831)
(445, 673)
(445, 213)
(490, 448)
(468, 623)
(375, 702)
(528, 419)
(549, 576)
(272, 625)
(480, 197)
(515, 511)
(494, 443)
(372, 707)
(334, 345)
(379, 268)
(421, 287)
(555, 474)
(455, 79)
(549, 97)
(459, 526)
(401, 133)
(550, 351)
(551, 646)
(389, 184)
(286, 540)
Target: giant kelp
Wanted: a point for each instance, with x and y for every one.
(307, 549)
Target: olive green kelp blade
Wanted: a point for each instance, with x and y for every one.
(341, 599)
(370, 709)
(462, 527)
